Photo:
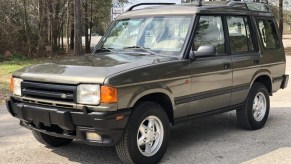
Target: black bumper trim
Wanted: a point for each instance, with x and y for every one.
(284, 81)
(70, 124)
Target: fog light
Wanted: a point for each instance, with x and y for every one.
(93, 136)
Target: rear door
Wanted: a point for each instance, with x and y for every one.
(244, 54)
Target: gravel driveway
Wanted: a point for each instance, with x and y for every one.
(214, 139)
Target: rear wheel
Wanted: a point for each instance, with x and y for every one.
(256, 110)
(146, 135)
(50, 140)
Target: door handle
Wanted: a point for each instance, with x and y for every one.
(226, 65)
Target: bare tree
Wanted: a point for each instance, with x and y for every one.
(78, 37)
(25, 23)
(86, 18)
(68, 26)
(29, 27)
(41, 27)
(281, 24)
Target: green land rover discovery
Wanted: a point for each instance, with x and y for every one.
(156, 67)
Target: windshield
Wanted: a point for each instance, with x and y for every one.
(165, 35)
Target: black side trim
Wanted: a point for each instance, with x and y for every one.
(203, 95)
(240, 88)
(182, 100)
(213, 112)
(213, 93)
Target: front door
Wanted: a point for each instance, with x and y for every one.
(211, 78)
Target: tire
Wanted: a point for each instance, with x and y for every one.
(50, 140)
(256, 109)
(149, 124)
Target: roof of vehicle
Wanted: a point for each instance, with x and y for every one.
(225, 7)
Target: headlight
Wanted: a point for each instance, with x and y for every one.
(15, 86)
(88, 94)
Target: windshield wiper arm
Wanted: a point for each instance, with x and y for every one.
(142, 48)
(102, 49)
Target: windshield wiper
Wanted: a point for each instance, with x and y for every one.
(102, 49)
(141, 48)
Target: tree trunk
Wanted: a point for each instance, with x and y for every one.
(40, 27)
(281, 17)
(72, 34)
(26, 28)
(91, 22)
(50, 24)
(62, 36)
(68, 27)
(77, 23)
(72, 37)
(87, 43)
(45, 24)
(54, 27)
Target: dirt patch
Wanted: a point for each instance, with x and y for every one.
(4, 88)
(3, 96)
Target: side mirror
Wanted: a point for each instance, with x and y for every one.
(205, 51)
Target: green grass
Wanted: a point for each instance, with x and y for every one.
(8, 67)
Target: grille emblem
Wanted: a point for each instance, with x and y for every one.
(63, 96)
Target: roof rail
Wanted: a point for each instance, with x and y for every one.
(144, 4)
(251, 6)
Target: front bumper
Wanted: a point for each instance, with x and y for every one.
(66, 123)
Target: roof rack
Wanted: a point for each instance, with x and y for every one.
(251, 6)
(144, 4)
(243, 4)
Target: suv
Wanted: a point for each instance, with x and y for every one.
(153, 68)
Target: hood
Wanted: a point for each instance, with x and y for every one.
(88, 68)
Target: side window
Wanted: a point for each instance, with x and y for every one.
(268, 34)
(239, 34)
(210, 32)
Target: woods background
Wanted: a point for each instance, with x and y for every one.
(39, 28)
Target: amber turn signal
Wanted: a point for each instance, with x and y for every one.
(11, 84)
(108, 94)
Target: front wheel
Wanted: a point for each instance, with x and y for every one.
(146, 136)
(256, 111)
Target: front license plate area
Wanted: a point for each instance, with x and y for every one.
(39, 116)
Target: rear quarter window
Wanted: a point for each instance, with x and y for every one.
(268, 33)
